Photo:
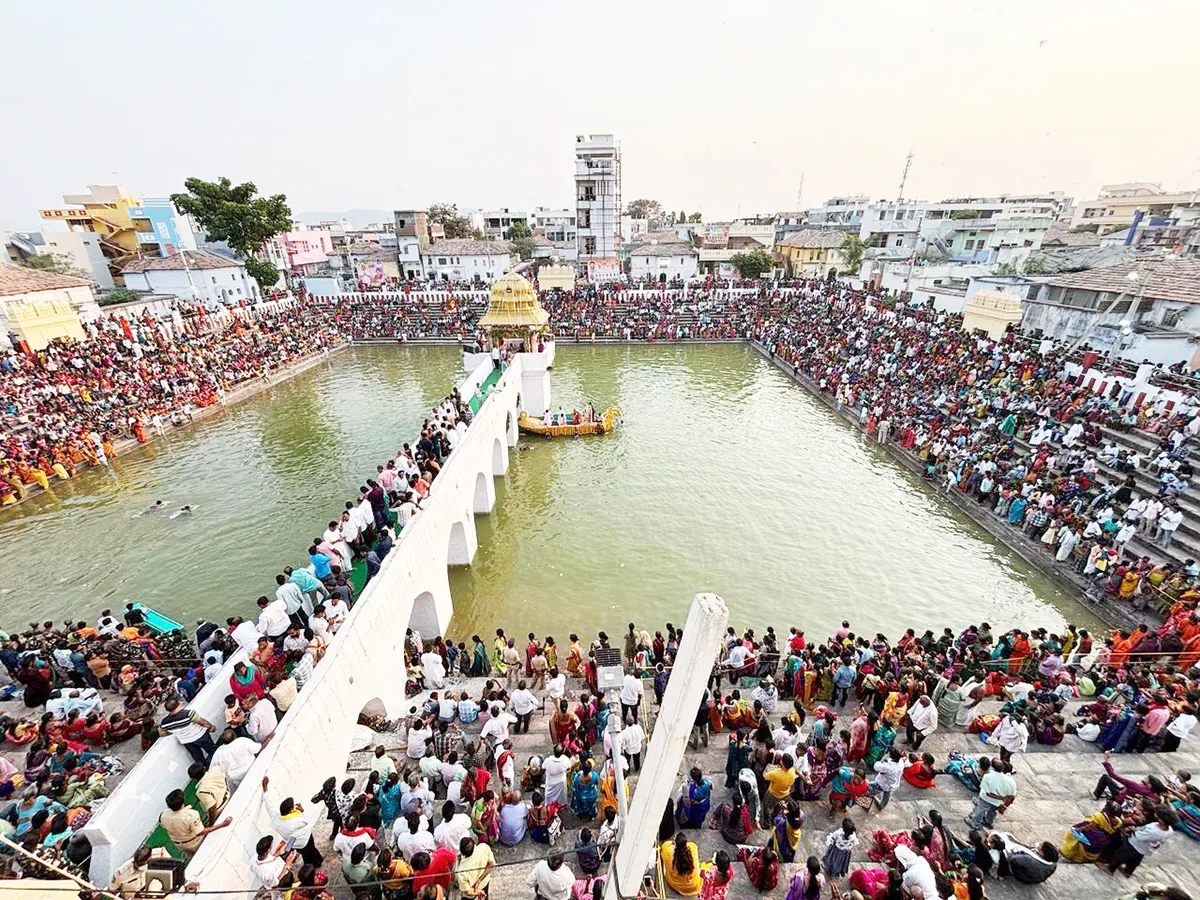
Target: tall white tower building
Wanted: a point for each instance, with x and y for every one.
(597, 196)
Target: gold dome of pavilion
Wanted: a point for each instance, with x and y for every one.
(514, 304)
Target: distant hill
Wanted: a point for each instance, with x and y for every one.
(358, 218)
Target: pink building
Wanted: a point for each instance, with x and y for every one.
(307, 247)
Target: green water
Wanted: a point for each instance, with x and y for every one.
(724, 476)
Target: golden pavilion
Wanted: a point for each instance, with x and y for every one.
(515, 315)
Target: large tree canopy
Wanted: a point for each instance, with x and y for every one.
(454, 225)
(752, 264)
(234, 214)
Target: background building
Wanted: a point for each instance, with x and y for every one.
(127, 226)
(597, 196)
(193, 276)
(466, 259)
(663, 261)
(79, 250)
(1119, 203)
(413, 240)
(496, 222)
(1143, 309)
(812, 252)
(37, 306)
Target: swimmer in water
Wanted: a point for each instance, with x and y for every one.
(154, 507)
(182, 511)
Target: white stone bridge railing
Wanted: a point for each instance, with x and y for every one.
(363, 666)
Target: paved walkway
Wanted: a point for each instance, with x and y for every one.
(1054, 788)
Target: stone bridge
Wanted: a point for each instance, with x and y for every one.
(363, 667)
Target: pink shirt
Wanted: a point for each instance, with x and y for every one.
(1155, 720)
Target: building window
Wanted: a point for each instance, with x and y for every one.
(589, 246)
(441, 260)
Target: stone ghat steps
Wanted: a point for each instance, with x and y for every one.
(1187, 540)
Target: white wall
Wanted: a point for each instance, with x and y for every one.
(682, 266)
(364, 663)
(209, 284)
(464, 268)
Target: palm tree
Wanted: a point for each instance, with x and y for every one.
(852, 250)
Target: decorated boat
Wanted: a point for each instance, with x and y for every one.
(601, 425)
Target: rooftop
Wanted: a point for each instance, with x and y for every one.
(469, 247)
(1165, 279)
(672, 248)
(196, 259)
(814, 237)
(23, 280)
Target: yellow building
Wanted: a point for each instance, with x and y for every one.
(812, 252)
(103, 210)
(38, 306)
(990, 313)
(556, 277)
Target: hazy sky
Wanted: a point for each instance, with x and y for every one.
(718, 106)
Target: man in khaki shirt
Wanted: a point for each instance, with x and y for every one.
(133, 878)
(183, 824)
(211, 788)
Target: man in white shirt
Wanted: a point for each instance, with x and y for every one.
(556, 768)
(1168, 522)
(633, 742)
(261, 722)
(452, 829)
(922, 721)
(234, 756)
(632, 691)
(245, 635)
(268, 868)
(556, 685)
(551, 879)
(495, 730)
(293, 824)
(523, 705)
(411, 836)
(419, 736)
(273, 620)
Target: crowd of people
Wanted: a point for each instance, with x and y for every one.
(819, 729)
(68, 406)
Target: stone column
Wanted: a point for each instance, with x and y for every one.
(702, 635)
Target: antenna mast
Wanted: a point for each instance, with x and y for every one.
(904, 177)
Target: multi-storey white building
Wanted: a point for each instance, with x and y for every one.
(496, 222)
(964, 230)
(466, 259)
(597, 196)
(1118, 203)
(557, 224)
(721, 241)
(662, 262)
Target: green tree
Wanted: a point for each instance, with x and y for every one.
(233, 213)
(753, 264)
(645, 209)
(696, 218)
(523, 245)
(683, 217)
(852, 250)
(1034, 265)
(1085, 229)
(1006, 268)
(55, 262)
(117, 295)
(517, 231)
(454, 225)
